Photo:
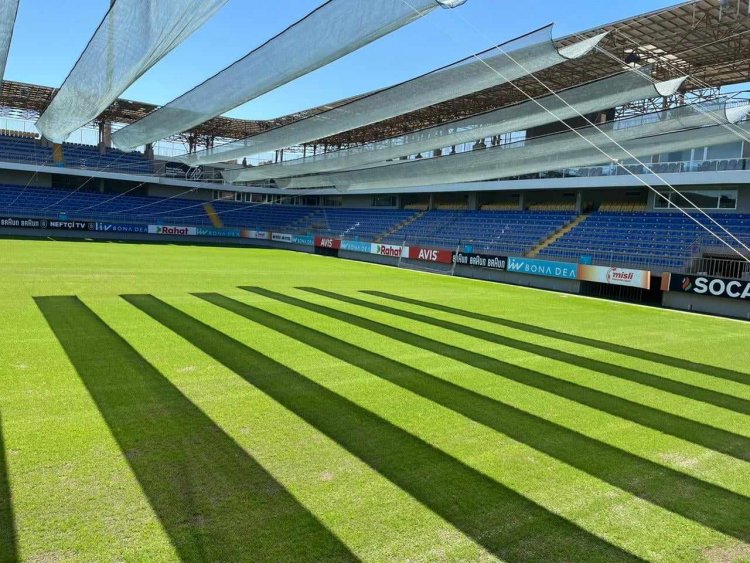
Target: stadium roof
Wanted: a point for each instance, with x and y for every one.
(702, 38)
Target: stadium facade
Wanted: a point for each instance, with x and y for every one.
(614, 162)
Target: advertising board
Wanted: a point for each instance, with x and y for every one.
(481, 260)
(715, 287)
(546, 268)
(430, 255)
(615, 276)
(171, 230)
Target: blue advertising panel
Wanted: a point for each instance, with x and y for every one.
(545, 268)
(305, 240)
(356, 246)
(117, 228)
(211, 232)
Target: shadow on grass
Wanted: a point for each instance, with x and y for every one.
(496, 517)
(215, 502)
(692, 498)
(710, 437)
(715, 398)
(713, 371)
(8, 549)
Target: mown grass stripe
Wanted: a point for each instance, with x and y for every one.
(715, 398)
(655, 357)
(498, 518)
(703, 435)
(702, 502)
(212, 498)
(8, 540)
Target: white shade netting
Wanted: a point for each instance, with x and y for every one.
(511, 61)
(335, 29)
(647, 135)
(8, 12)
(133, 37)
(597, 96)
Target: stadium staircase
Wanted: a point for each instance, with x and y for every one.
(215, 219)
(57, 154)
(557, 235)
(403, 224)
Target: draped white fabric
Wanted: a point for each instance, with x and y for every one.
(531, 53)
(8, 11)
(333, 30)
(597, 96)
(646, 135)
(133, 36)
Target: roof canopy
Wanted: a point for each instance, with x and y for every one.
(600, 95)
(331, 31)
(707, 39)
(585, 146)
(510, 61)
(8, 12)
(133, 36)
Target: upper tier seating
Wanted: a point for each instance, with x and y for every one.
(25, 149)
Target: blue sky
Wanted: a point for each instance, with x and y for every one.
(50, 35)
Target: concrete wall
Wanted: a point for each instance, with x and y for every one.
(21, 178)
(705, 304)
(156, 190)
(356, 201)
(372, 258)
(514, 278)
(554, 284)
(144, 237)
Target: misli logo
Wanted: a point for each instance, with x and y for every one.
(613, 274)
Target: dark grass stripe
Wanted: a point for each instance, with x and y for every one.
(496, 517)
(707, 504)
(8, 542)
(680, 363)
(715, 398)
(710, 437)
(215, 502)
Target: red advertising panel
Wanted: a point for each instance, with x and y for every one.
(430, 255)
(328, 242)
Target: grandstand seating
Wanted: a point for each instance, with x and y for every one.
(666, 239)
(365, 224)
(26, 149)
(86, 156)
(509, 232)
(626, 238)
(514, 206)
(92, 206)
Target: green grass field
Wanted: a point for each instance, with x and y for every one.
(166, 402)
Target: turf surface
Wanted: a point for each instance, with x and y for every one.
(166, 402)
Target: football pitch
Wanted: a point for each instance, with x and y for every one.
(161, 403)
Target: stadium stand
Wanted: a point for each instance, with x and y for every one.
(636, 238)
(29, 150)
(91, 206)
(619, 233)
(511, 232)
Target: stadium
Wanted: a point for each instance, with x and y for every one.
(479, 292)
